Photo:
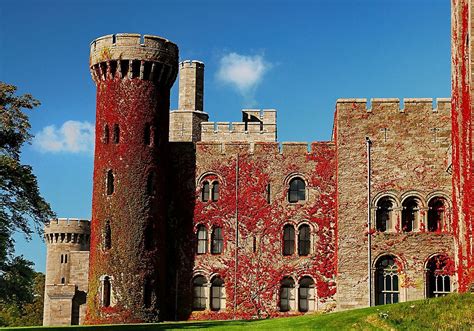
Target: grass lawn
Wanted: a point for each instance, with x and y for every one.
(454, 312)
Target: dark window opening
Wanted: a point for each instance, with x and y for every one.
(107, 236)
(287, 296)
(62, 258)
(410, 212)
(147, 293)
(106, 292)
(147, 70)
(135, 69)
(217, 241)
(305, 294)
(438, 281)
(254, 246)
(110, 182)
(217, 287)
(436, 214)
(113, 68)
(201, 239)
(288, 240)
(124, 68)
(149, 242)
(297, 191)
(103, 69)
(65, 258)
(150, 184)
(304, 240)
(386, 281)
(267, 193)
(148, 135)
(116, 137)
(205, 192)
(63, 280)
(383, 214)
(215, 191)
(106, 134)
(199, 293)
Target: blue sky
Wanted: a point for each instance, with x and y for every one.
(295, 56)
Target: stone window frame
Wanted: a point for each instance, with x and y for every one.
(205, 290)
(426, 270)
(402, 271)
(290, 177)
(283, 240)
(396, 208)
(110, 190)
(299, 294)
(101, 290)
(204, 178)
(222, 293)
(448, 211)
(200, 240)
(291, 295)
(211, 239)
(422, 209)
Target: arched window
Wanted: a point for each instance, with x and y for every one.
(116, 137)
(304, 240)
(150, 184)
(148, 135)
(384, 214)
(287, 294)
(288, 240)
(199, 293)
(438, 281)
(147, 293)
(107, 236)
(63, 280)
(436, 214)
(205, 191)
(217, 294)
(106, 134)
(215, 191)
(110, 182)
(297, 191)
(216, 241)
(410, 214)
(106, 291)
(306, 295)
(201, 239)
(386, 281)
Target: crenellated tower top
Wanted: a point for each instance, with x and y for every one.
(131, 55)
(67, 230)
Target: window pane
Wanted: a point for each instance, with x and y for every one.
(215, 191)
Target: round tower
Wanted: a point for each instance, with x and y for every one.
(134, 75)
(63, 236)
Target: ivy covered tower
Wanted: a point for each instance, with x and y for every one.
(134, 75)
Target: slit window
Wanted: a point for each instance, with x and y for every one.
(106, 134)
(106, 291)
(150, 184)
(107, 236)
(116, 137)
(149, 243)
(110, 182)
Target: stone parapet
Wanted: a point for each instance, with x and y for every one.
(393, 105)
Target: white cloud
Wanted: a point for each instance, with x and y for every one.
(243, 72)
(71, 137)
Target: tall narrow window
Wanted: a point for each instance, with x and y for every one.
(150, 184)
(110, 182)
(386, 281)
(106, 290)
(65, 258)
(287, 294)
(216, 241)
(147, 293)
(63, 280)
(215, 191)
(383, 214)
(148, 135)
(62, 258)
(438, 281)
(217, 295)
(107, 236)
(306, 295)
(116, 137)
(267, 193)
(410, 214)
(201, 239)
(205, 191)
(297, 191)
(254, 244)
(106, 134)
(149, 236)
(199, 293)
(288, 240)
(304, 240)
(436, 214)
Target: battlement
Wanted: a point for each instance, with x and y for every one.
(377, 105)
(191, 64)
(264, 148)
(67, 230)
(257, 126)
(130, 55)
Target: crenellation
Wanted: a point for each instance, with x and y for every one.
(393, 105)
(294, 148)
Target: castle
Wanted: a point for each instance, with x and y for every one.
(193, 219)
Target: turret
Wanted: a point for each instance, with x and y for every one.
(67, 244)
(133, 75)
(185, 122)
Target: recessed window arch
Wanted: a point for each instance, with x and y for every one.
(288, 239)
(205, 192)
(438, 276)
(217, 240)
(384, 216)
(386, 280)
(217, 294)
(201, 239)
(116, 134)
(215, 191)
(287, 294)
(106, 134)
(437, 214)
(411, 207)
(106, 291)
(107, 236)
(199, 293)
(110, 182)
(297, 190)
(304, 240)
(306, 294)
